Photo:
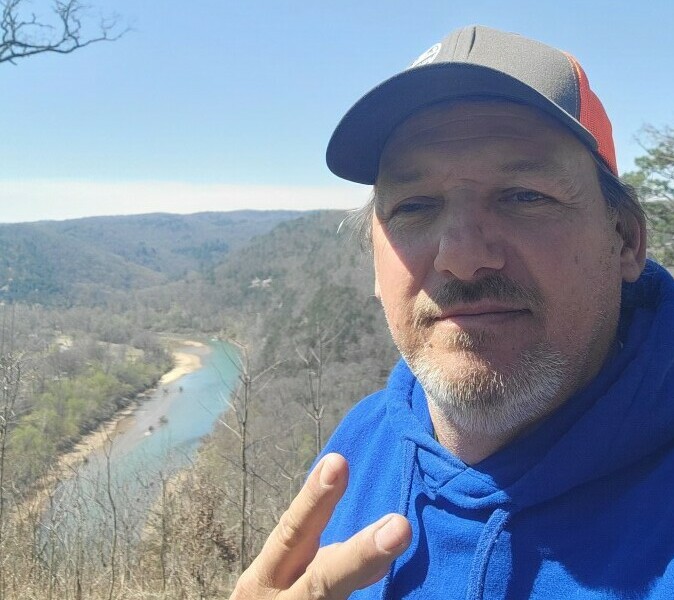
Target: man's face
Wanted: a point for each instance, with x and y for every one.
(498, 263)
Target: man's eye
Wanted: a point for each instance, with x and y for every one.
(525, 197)
(413, 206)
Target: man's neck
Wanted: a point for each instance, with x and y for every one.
(473, 447)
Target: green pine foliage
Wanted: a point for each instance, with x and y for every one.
(654, 180)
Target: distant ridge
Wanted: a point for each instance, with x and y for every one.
(52, 262)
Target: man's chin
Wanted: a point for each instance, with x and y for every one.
(482, 397)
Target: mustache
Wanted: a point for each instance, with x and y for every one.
(491, 287)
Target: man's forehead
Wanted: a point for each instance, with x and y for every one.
(401, 173)
(534, 143)
(465, 119)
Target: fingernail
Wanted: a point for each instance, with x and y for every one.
(389, 536)
(329, 472)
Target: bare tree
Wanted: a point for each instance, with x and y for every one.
(314, 361)
(107, 449)
(239, 404)
(65, 28)
(10, 380)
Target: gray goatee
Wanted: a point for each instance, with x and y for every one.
(485, 400)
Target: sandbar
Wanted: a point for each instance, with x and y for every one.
(184, 363)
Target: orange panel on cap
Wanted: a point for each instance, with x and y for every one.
(594, 118)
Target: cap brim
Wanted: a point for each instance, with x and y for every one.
(356, 145)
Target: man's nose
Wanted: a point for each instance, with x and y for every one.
(468, 245)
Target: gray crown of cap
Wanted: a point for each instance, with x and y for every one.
(473, 61)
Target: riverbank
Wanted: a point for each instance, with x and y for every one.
(184, 363)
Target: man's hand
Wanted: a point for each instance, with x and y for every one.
(291, 567)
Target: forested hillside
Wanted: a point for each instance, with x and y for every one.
(172, 244)
(85, 261)
(41, 266)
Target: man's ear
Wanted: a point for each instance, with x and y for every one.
(632, 231)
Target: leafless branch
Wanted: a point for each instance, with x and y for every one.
(62, 31)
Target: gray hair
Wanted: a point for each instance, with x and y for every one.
(621, 199)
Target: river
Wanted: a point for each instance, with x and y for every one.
(151, 445)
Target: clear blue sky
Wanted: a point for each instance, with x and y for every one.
(223, 104)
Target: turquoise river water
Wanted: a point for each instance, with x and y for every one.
(159, 439)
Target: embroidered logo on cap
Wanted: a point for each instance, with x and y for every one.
(427, 57)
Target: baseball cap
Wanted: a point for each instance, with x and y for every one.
(471, 62)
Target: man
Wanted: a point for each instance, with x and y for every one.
(524, 447)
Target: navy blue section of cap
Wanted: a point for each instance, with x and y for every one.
(474, 62)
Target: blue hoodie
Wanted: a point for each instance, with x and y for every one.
(582, 507)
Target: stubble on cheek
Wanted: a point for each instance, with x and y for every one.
(419, 338)
(428, 308)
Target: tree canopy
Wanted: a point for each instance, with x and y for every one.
(654, 179)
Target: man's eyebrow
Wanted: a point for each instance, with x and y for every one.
(405, 175)
(528, 165)
(543, 167)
